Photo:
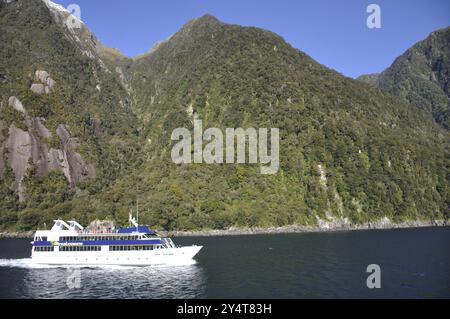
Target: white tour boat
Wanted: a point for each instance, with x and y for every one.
(70, 244)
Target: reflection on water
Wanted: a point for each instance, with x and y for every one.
(175, 281)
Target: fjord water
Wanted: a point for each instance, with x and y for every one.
(415, 263)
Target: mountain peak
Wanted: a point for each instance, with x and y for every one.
(205, 21)
(200, 25)
(207, 18)
(58, 9)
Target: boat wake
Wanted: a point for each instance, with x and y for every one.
(21, 263)
(27, 263)
(105, 281)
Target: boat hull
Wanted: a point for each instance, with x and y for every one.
(168, 256)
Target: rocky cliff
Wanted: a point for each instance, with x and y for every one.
(65, 119)
(27, 148)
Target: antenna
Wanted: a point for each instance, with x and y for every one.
(130, 216)
(132, 220)
(137, 211)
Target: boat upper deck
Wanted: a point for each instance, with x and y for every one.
(74, 232)
(103, 237)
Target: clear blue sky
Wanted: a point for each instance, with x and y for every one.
(333, 32)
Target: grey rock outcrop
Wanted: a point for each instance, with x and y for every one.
(16, 104)
(38, 88)
(26, 149)
(40, 128)
(44, 77)
(45, 85)
(75, 168)
(19, 154)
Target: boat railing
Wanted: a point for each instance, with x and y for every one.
(168, 243)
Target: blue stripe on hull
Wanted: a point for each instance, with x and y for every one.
(42, 244)
(140, 229)
(101, 242)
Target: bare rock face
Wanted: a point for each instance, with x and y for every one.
(44, 77)
(65, 137)
(40, 128)
(45, 85)
(75, 168)
(38, 88)
(19, 154)
(25, 149)
(16, 104)
(56, 160)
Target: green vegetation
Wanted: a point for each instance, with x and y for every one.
(380, 156)
(31, 41)
(421, 76)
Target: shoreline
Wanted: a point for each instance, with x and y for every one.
(306, 229)
(334, 228)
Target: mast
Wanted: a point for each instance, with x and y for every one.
(130, 217)
(132, 220)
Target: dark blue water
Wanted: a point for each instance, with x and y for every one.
(415, 263)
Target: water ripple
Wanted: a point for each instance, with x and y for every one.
(173, 281)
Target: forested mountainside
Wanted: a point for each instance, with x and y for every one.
(421, 76)
(86, 132)
(66, 128)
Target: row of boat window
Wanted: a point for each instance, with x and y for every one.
(80, 248)
(97, 248)
(126, 248)
(42, 249)
(91, 238)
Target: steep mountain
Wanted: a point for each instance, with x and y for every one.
(421, 76)
(349, 153)
(65, 119)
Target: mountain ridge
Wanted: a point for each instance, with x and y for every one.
(350, 153)
(420, 76)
